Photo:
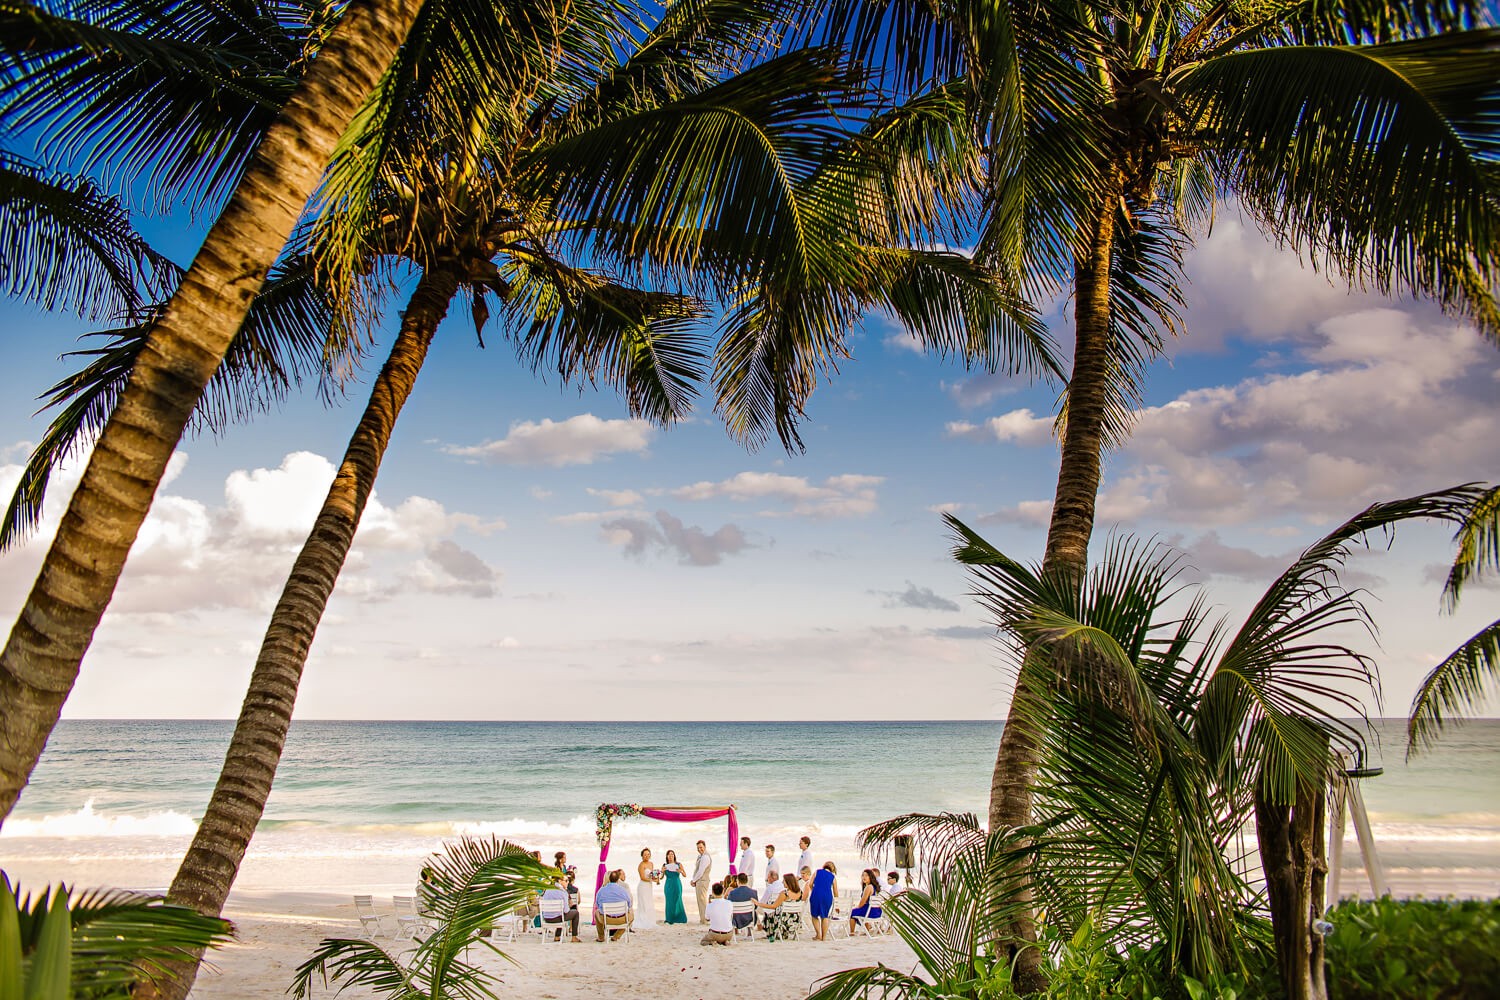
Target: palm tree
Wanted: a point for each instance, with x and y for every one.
(187, 342)
(60, 945)
(472, 884)
(1361, 135)
(1167, 737)
(1459, 682)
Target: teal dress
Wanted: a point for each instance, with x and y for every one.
(673, 893)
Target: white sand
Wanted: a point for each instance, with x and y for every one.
(277, 931)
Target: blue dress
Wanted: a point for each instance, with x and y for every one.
(820, 900)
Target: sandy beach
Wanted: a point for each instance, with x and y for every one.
(275, 932)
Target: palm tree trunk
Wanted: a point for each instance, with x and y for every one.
(1068, 535)
(239, 799)
(41, 658)
(1292, 852)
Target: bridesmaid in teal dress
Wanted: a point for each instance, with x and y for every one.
(673, 890)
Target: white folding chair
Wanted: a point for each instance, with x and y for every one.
(615, 908)
(795, 907)
(370, 923)
(512, 924)
(409, 923)
(870, 925)
(554, 918)
(742, 908)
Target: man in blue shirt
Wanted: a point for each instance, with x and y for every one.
(613, 891)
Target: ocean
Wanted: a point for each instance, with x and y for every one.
(357, 805)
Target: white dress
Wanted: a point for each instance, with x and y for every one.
(645, 906)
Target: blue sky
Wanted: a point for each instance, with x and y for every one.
(534, 554)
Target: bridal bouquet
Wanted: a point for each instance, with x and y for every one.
(655, 873)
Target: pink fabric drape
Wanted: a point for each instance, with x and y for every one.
(674, 814)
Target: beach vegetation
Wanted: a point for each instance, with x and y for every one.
(466, 889)
(1170, 739)
(1109, 134)
(1462, 682)
(1414, 949)
(267, 181)
(61, 945)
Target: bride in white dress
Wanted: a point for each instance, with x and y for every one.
(645, 895)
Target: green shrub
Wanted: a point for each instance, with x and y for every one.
(1414, 950)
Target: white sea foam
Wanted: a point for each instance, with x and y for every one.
(88, 822)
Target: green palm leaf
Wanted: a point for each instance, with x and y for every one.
(1378, 161)
(64, 244)
(1459, 684)
(1478, 547)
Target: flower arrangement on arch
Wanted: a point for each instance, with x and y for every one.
(605, 816)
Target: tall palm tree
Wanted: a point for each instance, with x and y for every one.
(1461, 682)
(1359, 134)
(188, 339)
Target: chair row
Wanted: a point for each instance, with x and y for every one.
(409, 922)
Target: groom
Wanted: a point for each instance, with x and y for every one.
(700, 881)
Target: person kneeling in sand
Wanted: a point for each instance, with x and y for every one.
(720, 918)
(613, 891)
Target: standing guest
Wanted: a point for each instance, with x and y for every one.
(613, 891)
(560, 860)
(673, 873)
(700, 881)
(559, 893)
(825, 887)
(805, 861)
(867, 907)
(720, 918)
(743, 891)
(773, 867)
(779, 925)
(746, 863)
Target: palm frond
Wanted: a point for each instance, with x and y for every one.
(1375, 161)
(352, 962)
(1282, 687)
(1478, 553)
(161, 96)
(64, 244)
(1457, 686)
(648, 344)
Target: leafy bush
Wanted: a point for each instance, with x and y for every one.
(1414, 950)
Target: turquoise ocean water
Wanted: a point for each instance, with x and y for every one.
(359, 803)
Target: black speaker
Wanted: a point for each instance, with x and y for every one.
(906, 851)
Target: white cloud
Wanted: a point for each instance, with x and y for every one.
(837, 496)
(904, 341)
(1018, 427)
(617, 498)
(982, 389)
(191, 555)
(579, 440)
(1397, 404)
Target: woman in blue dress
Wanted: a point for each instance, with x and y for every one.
(673, 890)
(825, 887)
(867, 907)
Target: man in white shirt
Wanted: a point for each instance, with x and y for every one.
(699, 881)
(720, 918)
(806, 860)
(746, 863)
(773, 867)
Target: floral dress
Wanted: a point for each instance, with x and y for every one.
(782, 926)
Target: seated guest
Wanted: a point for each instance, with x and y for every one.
(575, 898)
(868, 906)
(742, 892)
(559, 893)
(720, 918)
(892, 883)
(804, 879)
(779, 925)
(613, 891)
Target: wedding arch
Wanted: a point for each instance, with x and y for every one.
(608, 812)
